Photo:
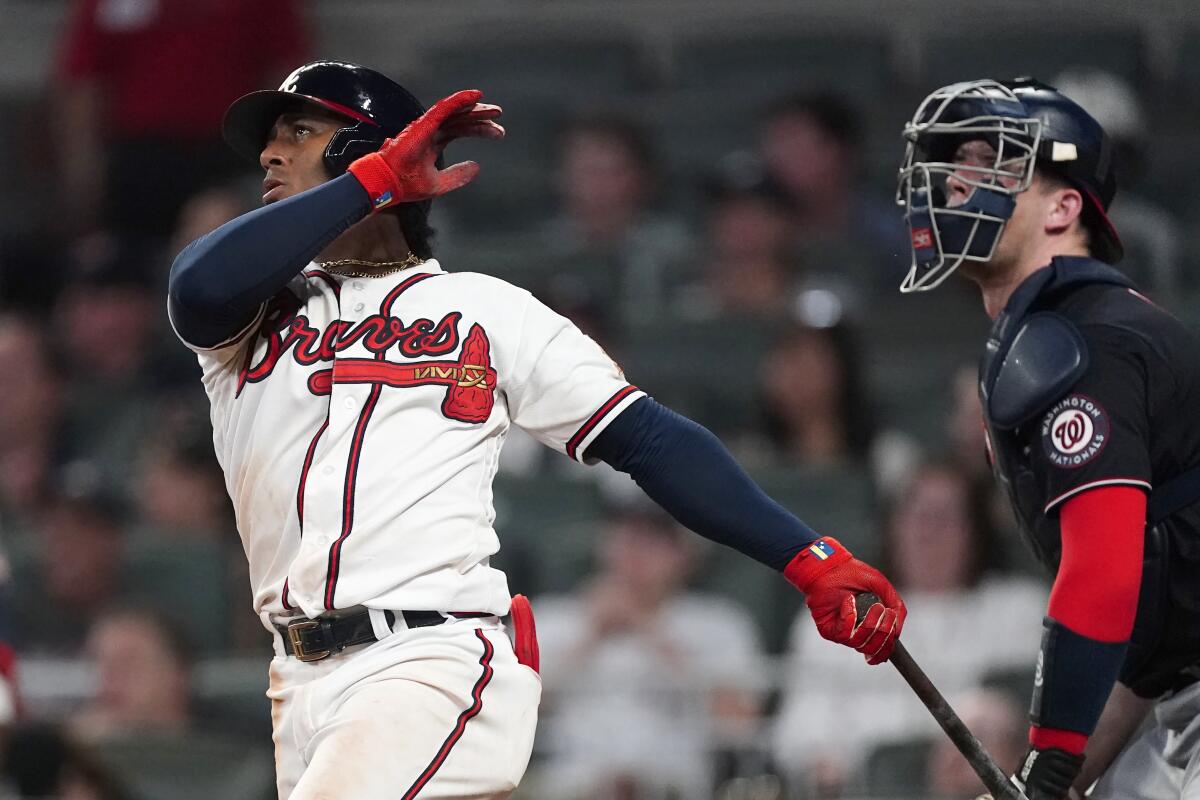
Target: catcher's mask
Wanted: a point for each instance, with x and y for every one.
(1025, 125)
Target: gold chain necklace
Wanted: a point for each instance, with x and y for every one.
(411, 260)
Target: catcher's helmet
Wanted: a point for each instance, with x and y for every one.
(1028, 124)
(376, 109)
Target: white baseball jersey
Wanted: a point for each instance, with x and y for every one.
(359, 423)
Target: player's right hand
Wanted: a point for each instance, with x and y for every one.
(405, 169)
(831, 578)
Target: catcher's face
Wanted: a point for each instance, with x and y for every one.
(294, 154)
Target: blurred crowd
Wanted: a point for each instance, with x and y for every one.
(757, 295)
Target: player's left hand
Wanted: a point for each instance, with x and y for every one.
(1046, 775)
(831, 579)
(405, 169)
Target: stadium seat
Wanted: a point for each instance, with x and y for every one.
(839, 501)
(1042, 52)
(764, 65)
(188, 581)
(549, 66)
(196, 767)
(897, 769)
(547, 527)
(705, 370)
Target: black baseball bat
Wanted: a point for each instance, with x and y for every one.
(980, 760)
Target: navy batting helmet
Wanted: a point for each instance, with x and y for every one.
(1028, 124)
(375, 107)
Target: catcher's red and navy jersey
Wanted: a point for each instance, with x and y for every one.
(1133, 418)
(359, 423)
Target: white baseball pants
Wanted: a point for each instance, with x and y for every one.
(439, 712)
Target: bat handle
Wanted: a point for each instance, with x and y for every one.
(863, 603)
(993, 778)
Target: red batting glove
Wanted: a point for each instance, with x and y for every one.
(831, 578)
(404, 170)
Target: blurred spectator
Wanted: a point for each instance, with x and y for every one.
(143, 678)
(810, 144)
(644, 679)
(607, 235)
(964, 424)
(74, 574)
(1148, 230)
(963, 624)
(30, 418)
(751, 267)
(999, 723)
(180, 486)
(207, 210)
(748, 267)
(40, 761)
(142, 86)
(111, 326)
(814, 402)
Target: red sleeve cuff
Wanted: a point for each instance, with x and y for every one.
(1046, 738)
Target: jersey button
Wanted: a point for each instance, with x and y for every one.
(358, 284)
(328, 469)
(359, 306)
(349, 403)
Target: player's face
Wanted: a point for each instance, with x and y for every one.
(975, 158)
(294, 154)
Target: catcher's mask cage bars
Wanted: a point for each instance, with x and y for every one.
(945, 236)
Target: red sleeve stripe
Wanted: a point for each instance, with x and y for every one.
(1095, 484)
(460, 727)
(1045, 738)
(581, 434)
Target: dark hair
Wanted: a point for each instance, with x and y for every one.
(615, 128)
(858, 425)
(414, 224)
(987, 553)
(828, 110)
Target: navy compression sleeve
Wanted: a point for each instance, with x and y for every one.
(684, 468)
(219, 281)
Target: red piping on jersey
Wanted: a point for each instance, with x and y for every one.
(335, 550)
(1096, 485)
(322, 275)
(594, 420)
(469, 713)
(308, 459)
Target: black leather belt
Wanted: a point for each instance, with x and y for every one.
(315, 639)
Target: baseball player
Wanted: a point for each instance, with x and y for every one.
(1089, 393)
(360, 396)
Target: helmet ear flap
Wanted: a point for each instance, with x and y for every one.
(350, 143)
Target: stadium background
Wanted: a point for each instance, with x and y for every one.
(646, 189)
